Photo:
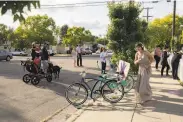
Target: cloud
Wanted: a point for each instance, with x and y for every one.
(89, 24)
(95, 26)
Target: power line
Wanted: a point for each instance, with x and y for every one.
(147, 16)
(72, 6)
(90, 4)
(142, 1)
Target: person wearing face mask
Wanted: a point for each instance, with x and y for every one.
(143, 89)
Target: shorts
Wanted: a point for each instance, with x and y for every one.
(44, 64)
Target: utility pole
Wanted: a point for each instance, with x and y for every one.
(147, 16)
(173, 24)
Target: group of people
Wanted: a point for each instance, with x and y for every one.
(77, 56)
(40, 58)
(162, 56)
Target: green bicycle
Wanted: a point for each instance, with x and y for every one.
(77, 93)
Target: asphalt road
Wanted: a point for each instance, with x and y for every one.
(20, 102)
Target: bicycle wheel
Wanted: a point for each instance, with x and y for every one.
(129, 83)
(112, 91)
(26, 78)
(76, 94)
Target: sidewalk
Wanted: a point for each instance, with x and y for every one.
(167, 106)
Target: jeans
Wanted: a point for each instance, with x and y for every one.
(103, 67)
(44, 65)
(79, 59)
(163, 67)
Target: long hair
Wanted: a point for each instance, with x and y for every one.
(140, 45)
(101, 49)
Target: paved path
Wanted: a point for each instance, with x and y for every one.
(20, 102)
(167, 106)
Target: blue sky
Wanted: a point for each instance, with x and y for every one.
(94, 18)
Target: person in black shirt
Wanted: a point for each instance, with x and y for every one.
(164, 61)
(175, 64)
(33, 52)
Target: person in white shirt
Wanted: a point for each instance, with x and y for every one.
(79, 55)
(103, 56)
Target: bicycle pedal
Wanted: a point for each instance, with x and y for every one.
(97, 92)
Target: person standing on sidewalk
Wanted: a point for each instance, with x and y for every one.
(44, 58)
(175, 64)
(79, 55)
(157, 56)
(103, 55)
(143, 89)
(164, 62)
(74, 56)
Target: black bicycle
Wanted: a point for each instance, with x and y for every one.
(77, 93)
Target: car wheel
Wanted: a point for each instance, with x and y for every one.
(8, 58)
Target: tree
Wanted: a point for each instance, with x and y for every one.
(36, 29)
(6, 34)
(77, 35)
(63, 30)
(124, 31)
(103, 41)
(17, 8)
(160, 32)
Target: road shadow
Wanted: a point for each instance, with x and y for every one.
(8, 113)
(13, 70)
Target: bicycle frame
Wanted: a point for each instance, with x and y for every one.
(83, 82)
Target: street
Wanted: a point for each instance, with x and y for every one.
(24, 102)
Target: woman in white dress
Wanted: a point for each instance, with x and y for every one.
(143, 88)
(74, 56)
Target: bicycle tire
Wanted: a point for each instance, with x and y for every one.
(130, 84)
(85, 98)
(26, 78)
(108, 83)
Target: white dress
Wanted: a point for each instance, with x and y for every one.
(74, 56)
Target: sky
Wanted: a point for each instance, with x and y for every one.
(94, 18)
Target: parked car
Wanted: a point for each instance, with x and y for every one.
(98, 52)
(109, 51)
(88, 51)
(19, 53)
(5, 55)
(51, 52)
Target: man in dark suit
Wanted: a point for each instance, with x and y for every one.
(175, 64)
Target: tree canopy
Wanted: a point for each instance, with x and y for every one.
(6, 34)
(17, 8)
(77, 35)
(125, 30)
(160, 30)
(36, 29)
